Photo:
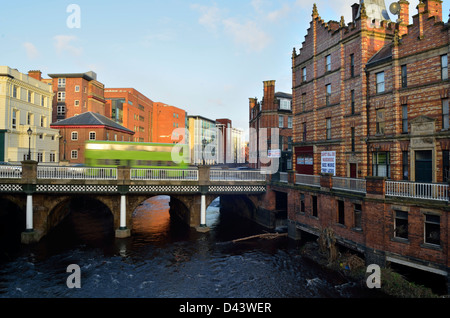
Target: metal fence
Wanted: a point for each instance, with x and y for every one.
(349, 184)
(307, 179)
(10, 172)
(82, 173)
(164, 174)
(417, 190)
(233, 175)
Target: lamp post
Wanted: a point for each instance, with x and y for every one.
(29, 132)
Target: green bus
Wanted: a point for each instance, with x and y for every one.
(136, 155)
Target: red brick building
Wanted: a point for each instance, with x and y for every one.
(375, 94)
(76, 93)
(74, 131)
(165, 119)
(273, 111)
(132, 109)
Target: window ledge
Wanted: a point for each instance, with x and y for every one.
(400, 240)
(431, 246)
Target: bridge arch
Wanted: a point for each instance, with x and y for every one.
(96, 212)
(12, 216)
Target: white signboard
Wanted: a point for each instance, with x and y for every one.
(275, 153)
(329, 162)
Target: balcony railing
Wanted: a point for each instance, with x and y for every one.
(284, 177)
(10, 172)
(233, 175)
(428, 191)
(306, 179)
(164, 174)
(81, 173)
(349, 184)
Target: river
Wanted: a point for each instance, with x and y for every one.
(165, 259)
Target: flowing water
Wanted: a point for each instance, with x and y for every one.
(164, 258)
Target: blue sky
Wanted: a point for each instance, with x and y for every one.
(207, 57)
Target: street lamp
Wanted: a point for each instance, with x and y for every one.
(29, 132)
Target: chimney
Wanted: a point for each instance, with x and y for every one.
(403, 17)
(269, 95)
(35, 74)
(434, 8)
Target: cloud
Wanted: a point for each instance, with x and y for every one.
(63, 44)
(247, 34)
(210, 16)
(279, 14)
(31, 50)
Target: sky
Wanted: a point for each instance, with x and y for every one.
(206, 57)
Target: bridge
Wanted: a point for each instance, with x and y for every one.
(44, 192)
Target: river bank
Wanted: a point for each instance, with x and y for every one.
(352, 267)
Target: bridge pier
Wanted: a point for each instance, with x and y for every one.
(203, 227)
(123, 231)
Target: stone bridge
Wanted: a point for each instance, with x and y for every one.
(44, 194)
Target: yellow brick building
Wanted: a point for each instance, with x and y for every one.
(26, 103)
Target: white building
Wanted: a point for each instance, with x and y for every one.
(26, 103)
(203, 136)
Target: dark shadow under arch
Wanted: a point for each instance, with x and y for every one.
(12, 224)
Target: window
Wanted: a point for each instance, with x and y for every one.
(61, 110)
(446, 165)
(14, 119)
(353, 138)
(304, 74)
(76, 103)
(285, 104)
(304, 131)
(328, 128)
(432, 229)
(404, 76)
(14, 92)
(341, 215)
(74, 135)
(328, 63)
(304, 102)
(61, 82)
(29, 96)
(290, 122)
(405, 166)
(77, 88)
(74, 154)
(328, 94)
(42, 121)
(39, 156)
(380, 122)
(404, 119)
(380, 164)
(280, 121)
(314, 205)
(352, 65)
(380, 82)
(444, 67)
(52, 157)
(42, 101)
(92, 135)
(357, 211)
(61, 96)
(29, 119)
(445, 114)
(352, 96)
(401, 224)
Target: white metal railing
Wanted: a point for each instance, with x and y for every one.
(350, 184)
(10, 172)
(307, 179)
(284, 177)
(233, 175)
(429, 191)
(82, 173)
(163, 174)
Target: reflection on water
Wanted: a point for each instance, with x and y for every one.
(165, 258)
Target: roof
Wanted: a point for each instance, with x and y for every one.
(283, 95)
(90, 119)
(383, 55)
(89, 76)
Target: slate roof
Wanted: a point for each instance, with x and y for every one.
(283, 95)
(90, 119)
(383, 55)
